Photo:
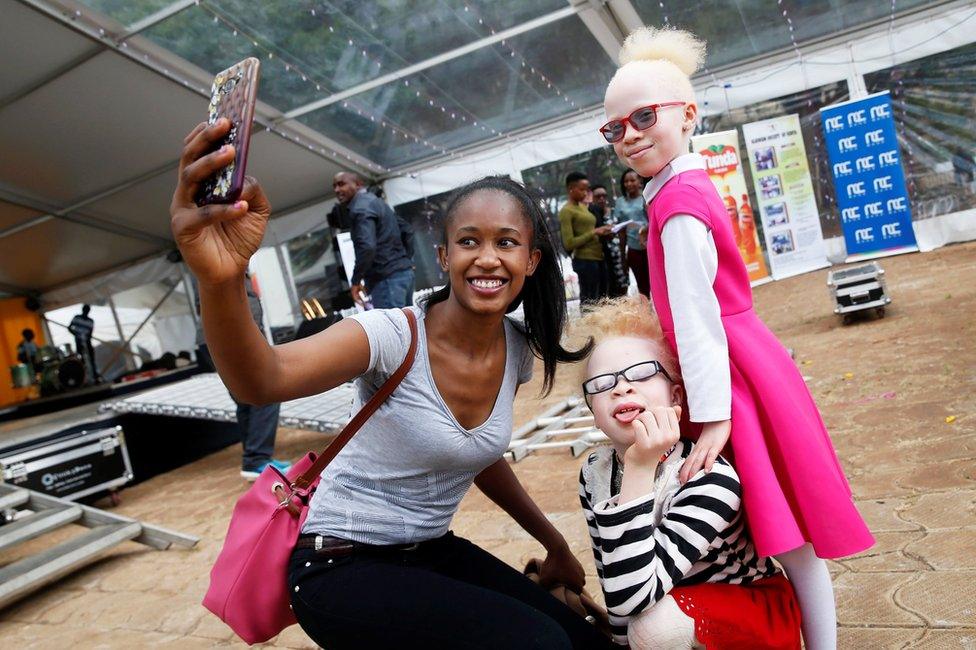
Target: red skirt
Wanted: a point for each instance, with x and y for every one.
(763, 614)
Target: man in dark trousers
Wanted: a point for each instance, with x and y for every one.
(613, 245)
(257, 424)
(81, 327)
(383, 245)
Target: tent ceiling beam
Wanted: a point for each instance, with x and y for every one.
(527, 26)
(601, 25)
(71, 214)
(53, 76)
(158, 17)
(627, 17)
(131, 31)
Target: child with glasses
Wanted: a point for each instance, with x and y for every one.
(741, 382)
(675, 560)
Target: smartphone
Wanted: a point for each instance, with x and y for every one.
(232, 95)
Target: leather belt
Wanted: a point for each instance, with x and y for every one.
(335, 547)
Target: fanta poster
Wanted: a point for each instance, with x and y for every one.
(866, 164)
(724, 165)
(784, 192)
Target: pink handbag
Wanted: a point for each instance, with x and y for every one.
(248, 583)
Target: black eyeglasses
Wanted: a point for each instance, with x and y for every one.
(638, 372)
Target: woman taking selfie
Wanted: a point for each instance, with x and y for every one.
(376, 565)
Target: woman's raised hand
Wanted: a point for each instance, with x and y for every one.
(216, 241)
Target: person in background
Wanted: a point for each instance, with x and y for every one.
(631, 207)
(27, 351)
(257, 425)
(613, 245)
(384, 261)
(581, 239)
(81, 327)
(406, 235)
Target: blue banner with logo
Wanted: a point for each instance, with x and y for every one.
(866, 164)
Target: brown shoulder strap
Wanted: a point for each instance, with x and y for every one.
(368, 409)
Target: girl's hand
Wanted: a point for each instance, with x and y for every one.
(710, 443)
(562, 567)
(655, 432)
(216, 241)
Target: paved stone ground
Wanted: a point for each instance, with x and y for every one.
(898, 394)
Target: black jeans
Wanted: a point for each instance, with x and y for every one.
(592, 280)
(637, 261)
(447, 594)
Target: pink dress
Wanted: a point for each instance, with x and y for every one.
(794, 490)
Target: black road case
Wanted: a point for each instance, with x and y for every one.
(69, 466)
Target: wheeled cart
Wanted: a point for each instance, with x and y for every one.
(857, 289)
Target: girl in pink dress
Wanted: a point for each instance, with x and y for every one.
(797, 500)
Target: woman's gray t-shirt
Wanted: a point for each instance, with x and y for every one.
(401, 478)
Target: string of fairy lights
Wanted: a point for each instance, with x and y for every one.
(789, 27)
(293, 65)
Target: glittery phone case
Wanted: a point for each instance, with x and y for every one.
(232, 96)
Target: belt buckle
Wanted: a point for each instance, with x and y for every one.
(318, 542)
(412, 547)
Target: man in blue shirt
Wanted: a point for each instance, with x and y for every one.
(383, 244)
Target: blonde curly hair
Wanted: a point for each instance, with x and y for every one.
(629, 316)
(683, 49)
(664, 55)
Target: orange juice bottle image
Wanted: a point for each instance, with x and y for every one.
(748, 227)
(732, 209)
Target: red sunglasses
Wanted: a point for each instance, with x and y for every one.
(642, 119)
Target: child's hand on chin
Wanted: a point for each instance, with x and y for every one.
(655, 432)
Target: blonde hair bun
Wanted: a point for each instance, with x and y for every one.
(683, 49)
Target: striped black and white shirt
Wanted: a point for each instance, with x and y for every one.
(675, 535)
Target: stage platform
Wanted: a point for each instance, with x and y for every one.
(92, 394)
(204, 397)
(171, 425)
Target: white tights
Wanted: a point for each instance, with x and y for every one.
(815, 595)
(662, 626)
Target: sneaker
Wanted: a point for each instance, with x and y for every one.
(253, 474)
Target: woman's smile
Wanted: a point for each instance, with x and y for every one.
(487, 285)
